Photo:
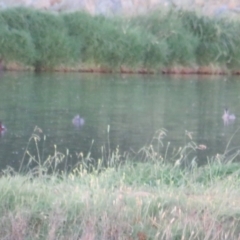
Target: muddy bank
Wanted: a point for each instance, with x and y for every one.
(203, 70)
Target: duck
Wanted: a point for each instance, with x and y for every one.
(1, 65)
(2, 127)
(227, 115)
(78, 121)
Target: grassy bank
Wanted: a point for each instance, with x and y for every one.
(153, 195)
(172, 41)
(141, 201)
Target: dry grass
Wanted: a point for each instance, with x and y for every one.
(151, 197)
(125, 212)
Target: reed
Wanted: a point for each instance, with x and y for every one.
(152, 41)
(44, 39)
(155, 194)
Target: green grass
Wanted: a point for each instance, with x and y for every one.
(152, 41)
(44, 37)
(155, 194)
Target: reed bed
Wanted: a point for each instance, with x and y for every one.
(159, 41)
(154, 194)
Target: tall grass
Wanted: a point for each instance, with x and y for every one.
(176, 43)
(151, 196)
(219, 39)
(45, 34)
(151, 41)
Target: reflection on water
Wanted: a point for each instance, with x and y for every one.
(134, 107)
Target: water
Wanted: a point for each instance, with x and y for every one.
(134, 107)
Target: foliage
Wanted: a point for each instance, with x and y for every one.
(151, 195)
(16, 45)
(154, 40)
(219, 38)
(45, 33)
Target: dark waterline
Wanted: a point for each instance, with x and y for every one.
(134, 107)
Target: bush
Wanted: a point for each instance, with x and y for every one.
(173, 37)
(47, 31)
(17, 45)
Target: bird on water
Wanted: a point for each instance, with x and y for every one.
(78, 121)
(228, 117)
(2, 127)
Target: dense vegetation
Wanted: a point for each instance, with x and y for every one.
(156, 41)
(153, 195)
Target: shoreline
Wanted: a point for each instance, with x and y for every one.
(203, 70)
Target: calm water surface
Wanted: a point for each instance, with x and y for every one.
(134, 107)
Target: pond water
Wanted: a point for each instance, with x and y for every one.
(134, 106)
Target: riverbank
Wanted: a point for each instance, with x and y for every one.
(150, 200)
(152, 194)
(173, 41)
